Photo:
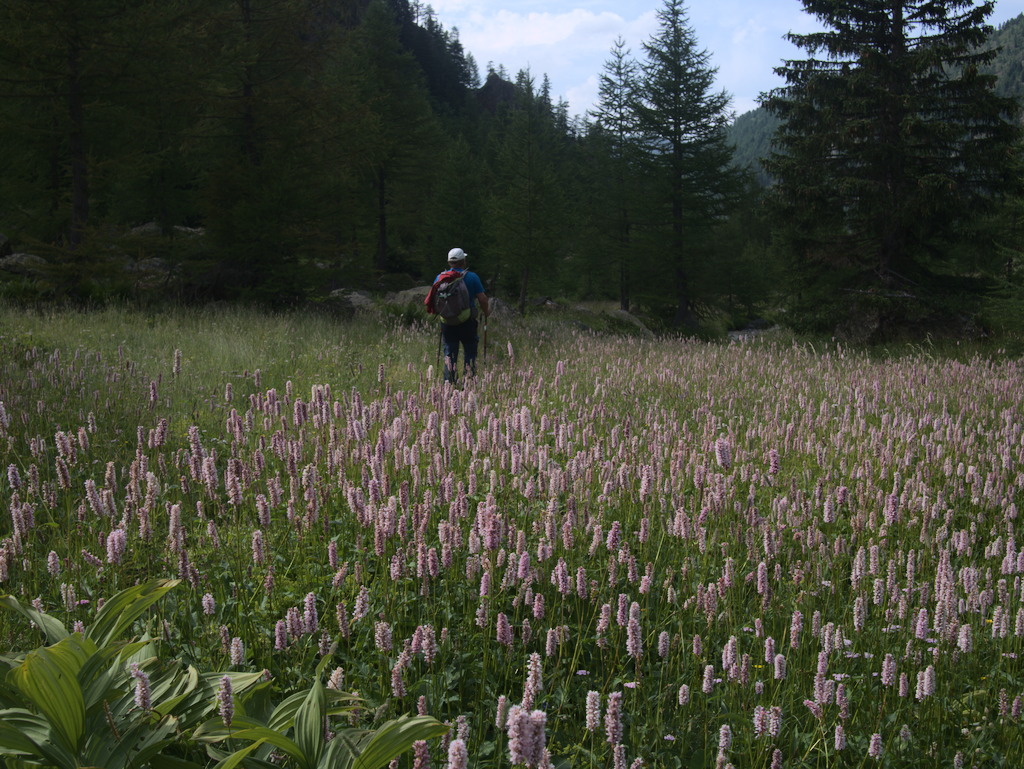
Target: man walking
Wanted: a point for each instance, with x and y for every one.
(456, 332)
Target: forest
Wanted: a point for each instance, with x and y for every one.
(271, 151)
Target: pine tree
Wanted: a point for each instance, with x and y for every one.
(268, 146)
(405, 139)
(893, 143)
(84, 95)
(526, 210)
(683, 123)
(612, 141)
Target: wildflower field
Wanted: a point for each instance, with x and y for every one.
(601, 552)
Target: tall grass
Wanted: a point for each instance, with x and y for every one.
(765, 553)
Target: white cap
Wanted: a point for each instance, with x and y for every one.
(457, 255)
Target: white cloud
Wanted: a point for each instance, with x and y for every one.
(583, 96)
(569, 46)
(569, 40)
(509, 32)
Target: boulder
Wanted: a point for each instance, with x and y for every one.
(349, 301)
(500, 309)
(543, 301)
(632, 320)
(147, 230)
(150, 273)
(413, 296)
(23, 264)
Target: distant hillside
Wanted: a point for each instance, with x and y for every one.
(1009, 64)
(751, 133)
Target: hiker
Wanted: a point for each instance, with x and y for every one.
(459, 324)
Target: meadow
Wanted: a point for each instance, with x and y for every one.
(603, 551)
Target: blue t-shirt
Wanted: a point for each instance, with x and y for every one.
(473, 284)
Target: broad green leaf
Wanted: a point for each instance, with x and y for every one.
(185, 699)
(52, 628)
(284, 714)
(309, 724)
(396, 737)
(32, 725)
(343, 750)
(321, 666)
(18, 725)
(123, 609)
(239, 681)
(213, 731)
(48, 678)
(15, 740)
(139, 741)
(238, 756)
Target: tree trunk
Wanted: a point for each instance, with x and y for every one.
(523, 287)
(684, 317)
(382, 221)
(624, 261)
(623, 285)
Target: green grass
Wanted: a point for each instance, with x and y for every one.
(398, 491)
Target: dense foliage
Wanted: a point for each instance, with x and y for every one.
(757, 554)
(893, 144)
(273, 151)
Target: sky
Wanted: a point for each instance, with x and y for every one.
(570, 40)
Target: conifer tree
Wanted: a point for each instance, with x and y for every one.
(682, 122)
(404, 139)
(614, 173)
(892, 144)
(83, 86)
(526, 210)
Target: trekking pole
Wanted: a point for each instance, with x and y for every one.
(485, 336)
(440, 335)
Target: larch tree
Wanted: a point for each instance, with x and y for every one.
(682, 123)
(892, 143)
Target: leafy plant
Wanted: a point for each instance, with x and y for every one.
(296, 728)
(77, 702)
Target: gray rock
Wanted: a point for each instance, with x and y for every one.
(24, 264)
(150, 273)
(348, 301)
(500, 309)
(147, 230)
(154, 230)
(409, 296)
(632, 320)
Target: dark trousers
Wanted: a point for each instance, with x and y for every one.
(465, 334)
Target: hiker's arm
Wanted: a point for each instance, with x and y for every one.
(484, 304)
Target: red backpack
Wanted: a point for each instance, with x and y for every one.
(449, 298)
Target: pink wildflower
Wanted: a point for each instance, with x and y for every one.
(593, 718)
(613, 718)
(526, 736)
